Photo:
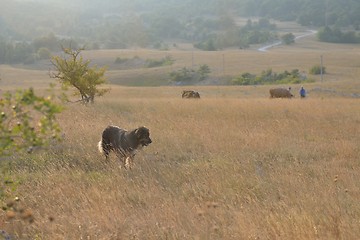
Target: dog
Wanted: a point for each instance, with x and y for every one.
(123, 143)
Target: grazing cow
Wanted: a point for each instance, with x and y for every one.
(280, 93)
(190, 94)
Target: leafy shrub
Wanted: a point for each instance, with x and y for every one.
(158, 63)
(288, 38)
(26, 121)
(120, 60)
(317, 69)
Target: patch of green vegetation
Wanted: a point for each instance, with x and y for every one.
(186, 75)
(335, 35)
(120, 60)
(317, 69)
(166, 61)
(270, 77)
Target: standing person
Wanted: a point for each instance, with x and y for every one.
(302, 92)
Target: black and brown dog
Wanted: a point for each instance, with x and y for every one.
(124, 143)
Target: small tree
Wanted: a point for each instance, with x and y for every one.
(288, 38)
(203, 71)
(75, 72)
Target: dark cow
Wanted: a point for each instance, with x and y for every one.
(280, 93)
(190, 94)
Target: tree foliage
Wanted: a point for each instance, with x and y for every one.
(288, 38)
(74, 71)
(27, 121)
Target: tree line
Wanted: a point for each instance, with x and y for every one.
(13, 52)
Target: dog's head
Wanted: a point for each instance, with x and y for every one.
(143, 136)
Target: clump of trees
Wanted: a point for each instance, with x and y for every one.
(13, 52)
(270, 77)
(73, 71)
(190, 76)
(335, 35)
(288, 38)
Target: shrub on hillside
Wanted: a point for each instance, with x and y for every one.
(120, 60)
(270, 77)
(288, 38)
(168, 60)
(186, 75)
(317, 69)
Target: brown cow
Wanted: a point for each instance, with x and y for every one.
(280, 93)
(190, 94)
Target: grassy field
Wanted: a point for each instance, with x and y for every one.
(232, 165)
(218, 168)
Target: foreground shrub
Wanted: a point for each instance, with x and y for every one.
(26, 121)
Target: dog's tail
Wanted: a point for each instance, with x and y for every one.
(100, 147)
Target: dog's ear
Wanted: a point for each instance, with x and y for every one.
(138, 131)
(141, 130)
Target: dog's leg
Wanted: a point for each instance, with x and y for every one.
(104, 149)
(128, 163)
(106, 153)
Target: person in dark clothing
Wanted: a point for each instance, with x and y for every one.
(302, 92)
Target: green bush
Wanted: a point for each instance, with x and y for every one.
(166, 61)
(288, 38)
(317, 69)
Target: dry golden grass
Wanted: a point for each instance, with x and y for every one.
(222, 167)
